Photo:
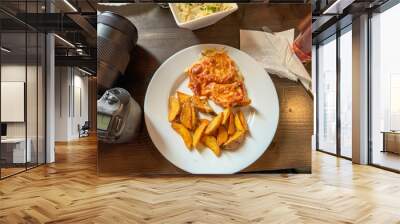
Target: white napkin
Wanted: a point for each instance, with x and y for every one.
(274, 53)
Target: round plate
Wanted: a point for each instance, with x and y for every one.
(262, 115)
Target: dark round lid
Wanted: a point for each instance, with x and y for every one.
(120, 23)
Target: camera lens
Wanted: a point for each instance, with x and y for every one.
(116, 37)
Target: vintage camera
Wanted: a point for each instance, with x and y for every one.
(118, 116)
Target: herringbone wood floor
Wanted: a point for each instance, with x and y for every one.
(69, 191)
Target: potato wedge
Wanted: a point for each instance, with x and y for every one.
(214, 124)
(211, 143)
(231, 124)
(184, 133)
(243, 120)
(182, 97)
(194, 117)
(226, 113)
(202, 105)
(235, 140)
(198, 133)
(222, 136)
(174, 108)
(238, 123)
(186, 115)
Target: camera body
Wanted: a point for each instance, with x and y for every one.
(118, 116)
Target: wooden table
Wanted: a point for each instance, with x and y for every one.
(159, 38)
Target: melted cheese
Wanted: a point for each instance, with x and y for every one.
(216, 76)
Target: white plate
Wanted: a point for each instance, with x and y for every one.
(262, 115)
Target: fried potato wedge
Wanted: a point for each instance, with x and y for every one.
(231, 124)
(194, 117)
(226, 113)
(174, 108)
(214, 124)
(184, 133)
(198, 133)
(243, 121)
(235, 140)
(186, 115)
(202, 105)
(211, 143)
(222, 135)
(182, 97)
(238, 123)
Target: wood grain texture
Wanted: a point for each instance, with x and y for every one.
(70, 191)
(159, 38)
(92, 101)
